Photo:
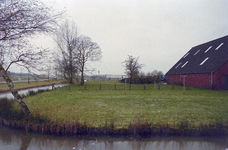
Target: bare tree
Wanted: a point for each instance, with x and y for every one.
(20, 19)
(151, 77)
(86, 51)
(132, 67)
(156, 75)
(66, 41)
(73, 51)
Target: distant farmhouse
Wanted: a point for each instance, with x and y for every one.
(205, 65)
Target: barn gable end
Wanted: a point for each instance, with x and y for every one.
(203, 65)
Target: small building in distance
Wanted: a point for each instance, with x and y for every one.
(205, 65)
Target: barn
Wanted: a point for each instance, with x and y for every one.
(205, 65)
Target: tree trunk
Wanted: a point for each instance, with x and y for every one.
(71, 65)
(82, 77)
(17, 97)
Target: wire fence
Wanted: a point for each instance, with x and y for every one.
(123, 86)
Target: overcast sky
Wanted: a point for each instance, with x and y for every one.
(160, 32)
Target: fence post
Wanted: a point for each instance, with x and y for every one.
(69, 87)
(172, 86)
(125, 86)
(129, 86)
(100, 86)
(144, 87)
(85, 86)
(158, 86)
(115, 86)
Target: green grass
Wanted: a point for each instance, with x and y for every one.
(108, 106)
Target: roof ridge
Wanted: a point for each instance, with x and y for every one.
(211, 41)
(203, 58)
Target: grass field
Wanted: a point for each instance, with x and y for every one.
(108, 106)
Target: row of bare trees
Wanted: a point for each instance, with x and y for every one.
(19, 21)
(73, 51)
(132, 70)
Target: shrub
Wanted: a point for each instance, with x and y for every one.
(6, 107)
(7, 110)
(30, 93)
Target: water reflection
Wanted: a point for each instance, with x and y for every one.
(16, 139)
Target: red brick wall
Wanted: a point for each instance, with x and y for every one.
(194, 80)
(218, 75)
(173, 79)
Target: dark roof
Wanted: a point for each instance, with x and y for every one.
(204, 58)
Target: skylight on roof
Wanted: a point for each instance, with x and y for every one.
(208, 49)
(177, 65)
(185, 55)
(219, 46)
(184, 64)
(197, 52)
(204, 61)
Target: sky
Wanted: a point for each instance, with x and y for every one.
(159, 32)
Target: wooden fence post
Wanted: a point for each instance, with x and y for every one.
(144, 86)
(85, 86)
(173, 87)
(100, 86)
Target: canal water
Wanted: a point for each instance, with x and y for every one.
(26, 91)
(12, 139)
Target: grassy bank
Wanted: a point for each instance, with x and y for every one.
(14, 78)
(150, 108)
(23, 85)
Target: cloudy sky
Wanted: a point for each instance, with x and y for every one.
(160, 32)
